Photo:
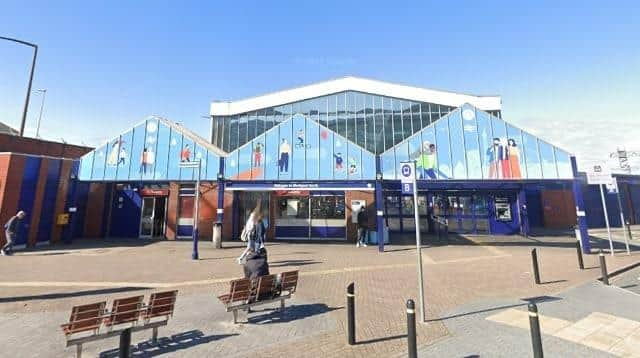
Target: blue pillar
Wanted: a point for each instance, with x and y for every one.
(379, 207)
(580, 209)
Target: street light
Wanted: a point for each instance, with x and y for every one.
(195, 164)
(33, 67)
(44, 94)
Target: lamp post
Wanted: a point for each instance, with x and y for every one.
(44, 94)
(195, 164)
(33, 67)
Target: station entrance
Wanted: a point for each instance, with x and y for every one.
(297, 214)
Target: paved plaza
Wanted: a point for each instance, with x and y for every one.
(475, 289)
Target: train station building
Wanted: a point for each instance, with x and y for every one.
(313, 155)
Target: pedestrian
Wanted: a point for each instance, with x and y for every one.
(362, 227)
(253, 233)
(11, 231)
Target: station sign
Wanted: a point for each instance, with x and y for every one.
(598, 174)
(407, 177)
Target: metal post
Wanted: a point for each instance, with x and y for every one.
(603, 268)
(44, 94)
(33, 67)
(379, 214)
(351, 315)
(534, 325)
(536, 269)
(194, 254)
(579, 252)
(125, 344)
(606, 218)
(628, 224)
(419, 250)
(411, 329)
(622, 221)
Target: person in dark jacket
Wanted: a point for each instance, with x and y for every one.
(256, 265)
(362, 228)
(11, 230)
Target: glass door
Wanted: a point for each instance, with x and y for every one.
(147, 218)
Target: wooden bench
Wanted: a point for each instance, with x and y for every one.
(245, 293)
(86, 321)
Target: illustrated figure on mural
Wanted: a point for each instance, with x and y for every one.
(353, 165)
(427, 161)
(338, 160)
(285, 150)
(117, 155)
(146, 160)
(257, 155)
(495, 154)
(514, 159)
(185, 153)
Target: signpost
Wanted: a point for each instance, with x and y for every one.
(613, 188)
(195, 164)
(408, 183)
(599, 174)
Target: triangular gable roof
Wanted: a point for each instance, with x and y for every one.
(358, 84)
(359, 164)
(470, 106)
(192, 135)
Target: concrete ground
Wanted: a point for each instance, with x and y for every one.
(482, 273)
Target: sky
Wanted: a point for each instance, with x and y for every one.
(567, 71)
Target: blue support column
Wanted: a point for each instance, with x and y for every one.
(379, 207)
(580, 209)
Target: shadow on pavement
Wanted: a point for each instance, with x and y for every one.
(55, 296)
(284, 263)
(292, 313)
(537, 299)
(383, 339)
(166, 345)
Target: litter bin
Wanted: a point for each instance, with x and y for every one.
(217, 235)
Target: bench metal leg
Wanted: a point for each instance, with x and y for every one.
(154, 337)
(79, 350)
(235, 316)
(281, 305)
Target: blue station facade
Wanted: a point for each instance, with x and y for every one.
(313, 155)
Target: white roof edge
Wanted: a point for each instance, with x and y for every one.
(487, 103)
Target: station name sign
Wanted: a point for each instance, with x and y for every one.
(300, 186)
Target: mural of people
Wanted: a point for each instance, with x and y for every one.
(505, 167)
(427, 162)
(122, 155)
(114, 158)
(494, 153)
(285, 150)
(339, 160)
(146, 160)
(353, 165)
(185, 154)
(514, 159)
(300, 138)
(257, 155)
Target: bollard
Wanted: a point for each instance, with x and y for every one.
(579, 251)
(534, 326)
(629, 230)
(411, 329)
(536, 269)
(351, 315)
(603, 268)
(125, 344)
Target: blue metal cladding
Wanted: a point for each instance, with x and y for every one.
(125, 213)
(151, 151)
(28, 195)
(300, 149)
(47, 211)
(471, 144)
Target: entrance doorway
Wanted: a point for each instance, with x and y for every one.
(152, 220)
